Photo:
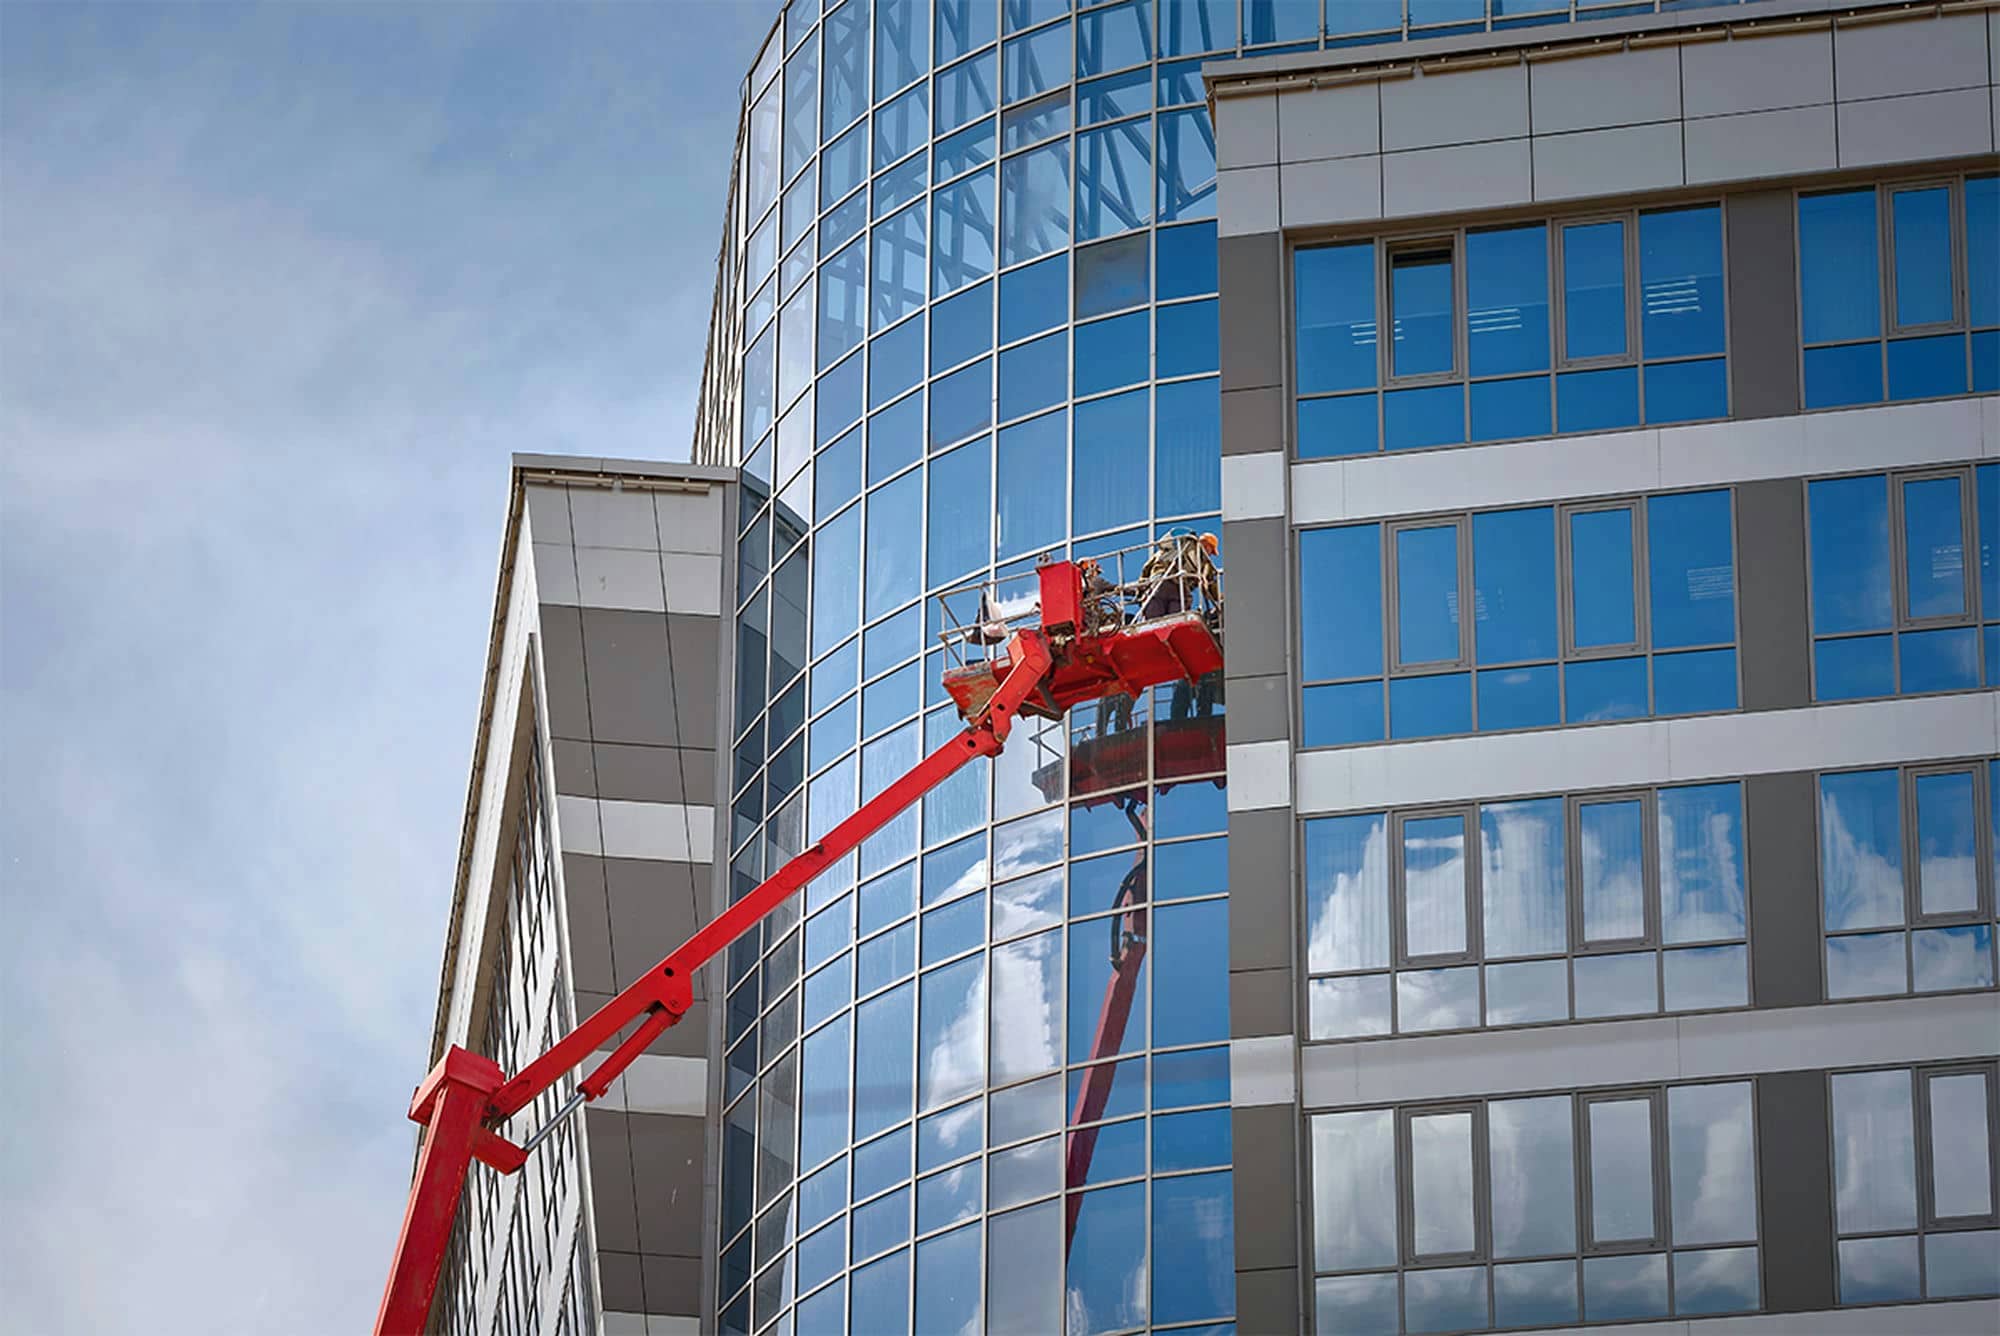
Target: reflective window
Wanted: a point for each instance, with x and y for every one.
(1114, 38)
(1600, 897)
(1114, 172)
(1034, 203)
(1894, 608)
(1186, 162)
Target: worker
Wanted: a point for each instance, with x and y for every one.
(1180, 564)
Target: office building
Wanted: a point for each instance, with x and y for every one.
(1590, 917)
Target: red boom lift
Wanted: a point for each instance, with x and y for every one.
(1095, 639)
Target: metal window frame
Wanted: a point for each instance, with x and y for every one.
(1649, 871)
(1460, 522)
(1566, 581)
(1481, 1166)
(1588, 1245)
(1968, 544)
(1467, 374)
(1913, 911)
(1928, 1219)
(1645, 358)
(1387, 251)
(1892, 327)
(1400, 956)
(1559, 290)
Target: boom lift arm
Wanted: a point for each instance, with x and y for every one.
(1074, 655)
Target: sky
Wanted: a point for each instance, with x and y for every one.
(281, 288)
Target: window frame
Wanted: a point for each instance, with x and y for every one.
(1649, 872)
(1559, 290)
(1885, 214)
(1460, 522)
(1928, 1221)
(1913, 890)
(1482, 1174)
(1642, 558)
(1387, 250)
(1399, 904)
(1968, 543)
(1656, 1160)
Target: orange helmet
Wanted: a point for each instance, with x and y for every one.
(1208, 543)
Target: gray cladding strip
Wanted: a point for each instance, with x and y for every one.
(1773, 636)
(1786, 954)
(1763, 304)
(1250, 317)
(1795, 1192)
(645, 1181)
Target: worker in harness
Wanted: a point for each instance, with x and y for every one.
(1182, 565)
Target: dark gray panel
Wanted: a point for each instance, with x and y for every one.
(1771, 575)
(1260, 889)
(1795, 1192)
(576, 772)
(1267, 1302)
(1260, 1003)
(589, 923)
(624, 1291)
(666, 1172)
(697, 659)
(1254, 624)
(611, 1180)
(673, 1285)
(1264, 1141)
(1783, 873)
(1763, 305)
(1253, 421)
(1259, 709)
(562, 671)
(655, 774)
(652, 911)
(1250, 270)
(625, 663)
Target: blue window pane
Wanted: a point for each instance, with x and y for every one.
(837, 401)
(1507, 301)
(1187, 458)
(1034, 203)
(1334, 296)
(1111, 276)
(882, 1060)
(1680, 281)
(964, 93)
(1594, 290)
(1335, 716)
(1187, 260)
(1985, 361)
(1597, 400)
(962, 327)
(895, 438)
(1194, 1248)
(1188, 339)
(1427, 707)
(1687, 391)
(951, 1038)
(1107, 1262)
(1033, 376)
(1090, 970)
(1344, 425)
(898, 284)
(1280, 21)
(1427, 595)
(1991, 641)
(881, 1293)
(846, 221)
(1514, 585)
(1186, 165)
(1987, 521)
(1920, 227)
(1116, 95)
(962, 403)
(1535, 1294)
(837, 577)
(902, 43)
(1838, 377)
(1190, 27)
(843, 166)
(801, 108)
(1849, 519)
(825, 1314)
(1853, 668)
(948, 1281)
(840, 305)
(1110, 461)
(1927, 368)
(892, 577)
(1943, 660)
(1357, 16)
(1861, 849)
(1032, 65)
(902, 126)
(1191, 1140)
(1432, 415)
(1505, 410)
(759, 392)
(1604, 689)
(1694, 683)
(838, 476)
(1032, 122)
(824, 1086)
(1340, 602)
(1627, 1288)
(1691, 552)
(962, 241)
(961, 152)
(1451, 1299)
(1602, 606)
(1934, 547)
(958, 541)
(1112, 353)
(1362, 1305)
(1031, 467)
(1113, 38)
(1519, 698)
(1874, 1271)
(1114, 173)
(1839, 292)
(1420, 306)
(1034, 298)
(1191, 951)
(1019, 14)
(1982, 249)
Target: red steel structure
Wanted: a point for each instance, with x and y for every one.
(1082, 650)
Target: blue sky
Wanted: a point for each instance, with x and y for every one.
(280, 290)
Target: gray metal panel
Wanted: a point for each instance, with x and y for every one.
(589, 923)
(1253, 421)
(673, 1284)
(636, 773)
(1337, 122)
(1887, 59)
(1265, 1143)
(1773, 640)
(562, 672)
(652, 911)
(1246, 132)
(1795, 1192)
(1330, 190)
(1620, 88)
(1256, 628)
(1260, 1003)
(625, 664)
(623, 1287)
(1267, 1302)
(1783, 878)
(1763, 304)
(1250, 270)
(1757, 74)
(1259, 708)
(575, 770)
(696, 667)
(1790, 141)
(1608, 162)
(611, 1192)
(1918, 128)
(1462, 107)
(1260, 889)
(1457, 177)
(666, 1158)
